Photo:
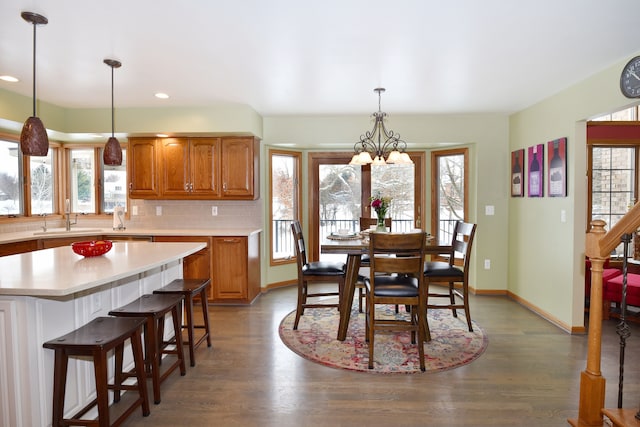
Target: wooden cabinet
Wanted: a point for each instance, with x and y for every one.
(197, 265)
(189, 168)
(236, 269)
(18, 247)
(64, 241)
(240, 168)
(142, 161)
(194, 168)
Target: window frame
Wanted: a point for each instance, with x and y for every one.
(98, 185)
(25, 179)
(297, 203)
(435, 184)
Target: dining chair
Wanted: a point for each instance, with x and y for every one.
(456, 278)
(313, 272)
(365, 224)
(396, 277)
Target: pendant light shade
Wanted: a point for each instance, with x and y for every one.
(112, 154)
(33, 138)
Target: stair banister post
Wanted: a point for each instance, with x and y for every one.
(592, 383)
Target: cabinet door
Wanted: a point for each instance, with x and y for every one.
(56, 242)
(142, 161)
(174, 169)
(238, 168)
(229, 268)
(205, 167)
(18, 247)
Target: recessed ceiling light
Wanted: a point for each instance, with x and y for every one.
(9, 79)
(161, 95)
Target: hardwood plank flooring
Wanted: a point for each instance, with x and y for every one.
(528, 376)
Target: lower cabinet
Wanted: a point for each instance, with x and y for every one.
(231, 262)
(64, 241)
(236, 268)
(18, 247)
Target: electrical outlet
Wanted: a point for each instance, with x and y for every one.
(214, 210)
(487, 264)
(158, 210)
(134, 210)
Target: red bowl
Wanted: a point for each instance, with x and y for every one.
(92, 247)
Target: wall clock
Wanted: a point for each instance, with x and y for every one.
(630, 79)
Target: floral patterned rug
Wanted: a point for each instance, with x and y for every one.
(451, 345)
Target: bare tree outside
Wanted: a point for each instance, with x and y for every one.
(41, 189)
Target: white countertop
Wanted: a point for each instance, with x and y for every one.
(88, 231)
(60, 271)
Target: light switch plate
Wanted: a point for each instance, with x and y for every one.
(489, 210)
(214, 210)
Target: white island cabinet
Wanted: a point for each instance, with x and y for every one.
(48, 293)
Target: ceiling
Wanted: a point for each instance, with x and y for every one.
(300, 57)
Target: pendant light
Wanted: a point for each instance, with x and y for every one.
(112, 154)
(33, 138)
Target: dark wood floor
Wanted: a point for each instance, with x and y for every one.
(528, 376)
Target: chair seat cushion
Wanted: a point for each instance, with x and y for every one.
(441, 269)
(612, 289)
(324, 268)
(394, 286)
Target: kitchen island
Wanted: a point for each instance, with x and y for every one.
(50, 292)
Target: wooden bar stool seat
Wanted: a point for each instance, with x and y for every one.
(191, 288)
(154, 308)
(95, 340)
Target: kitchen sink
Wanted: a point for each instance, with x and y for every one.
(64, 231)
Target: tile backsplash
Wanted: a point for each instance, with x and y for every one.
(175, 214)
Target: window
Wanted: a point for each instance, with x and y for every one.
(613, 151)
(94, 189)
(284, 203)
(37, 194)
(42, 184)
(10, 182)
(340, 195)
(449, 182)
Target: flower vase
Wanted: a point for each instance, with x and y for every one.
(380, 225)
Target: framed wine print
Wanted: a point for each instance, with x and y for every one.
(535, 157)
(517, 173)
(557, 167)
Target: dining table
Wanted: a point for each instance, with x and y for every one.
(354, 246)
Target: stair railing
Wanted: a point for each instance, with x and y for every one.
(598, 245)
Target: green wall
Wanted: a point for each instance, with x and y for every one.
(546, 256)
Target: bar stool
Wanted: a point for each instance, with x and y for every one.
(190, 288)
(154, 307)
(96, 339)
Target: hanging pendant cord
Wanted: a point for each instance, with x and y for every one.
(34, 69)
(112, 109)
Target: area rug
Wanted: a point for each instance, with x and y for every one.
(451, 345)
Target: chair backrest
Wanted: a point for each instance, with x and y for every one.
(366, 222)
(408, 249)
(298, 243)
(463, 235)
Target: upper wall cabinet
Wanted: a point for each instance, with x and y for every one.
(142, 161)
(240, 168)
(189, 168)
(194, 168)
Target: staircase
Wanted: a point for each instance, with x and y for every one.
(599, 244)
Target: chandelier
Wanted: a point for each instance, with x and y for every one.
(379, 143)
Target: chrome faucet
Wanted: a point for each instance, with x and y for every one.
(68, 221)
(44, 217)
